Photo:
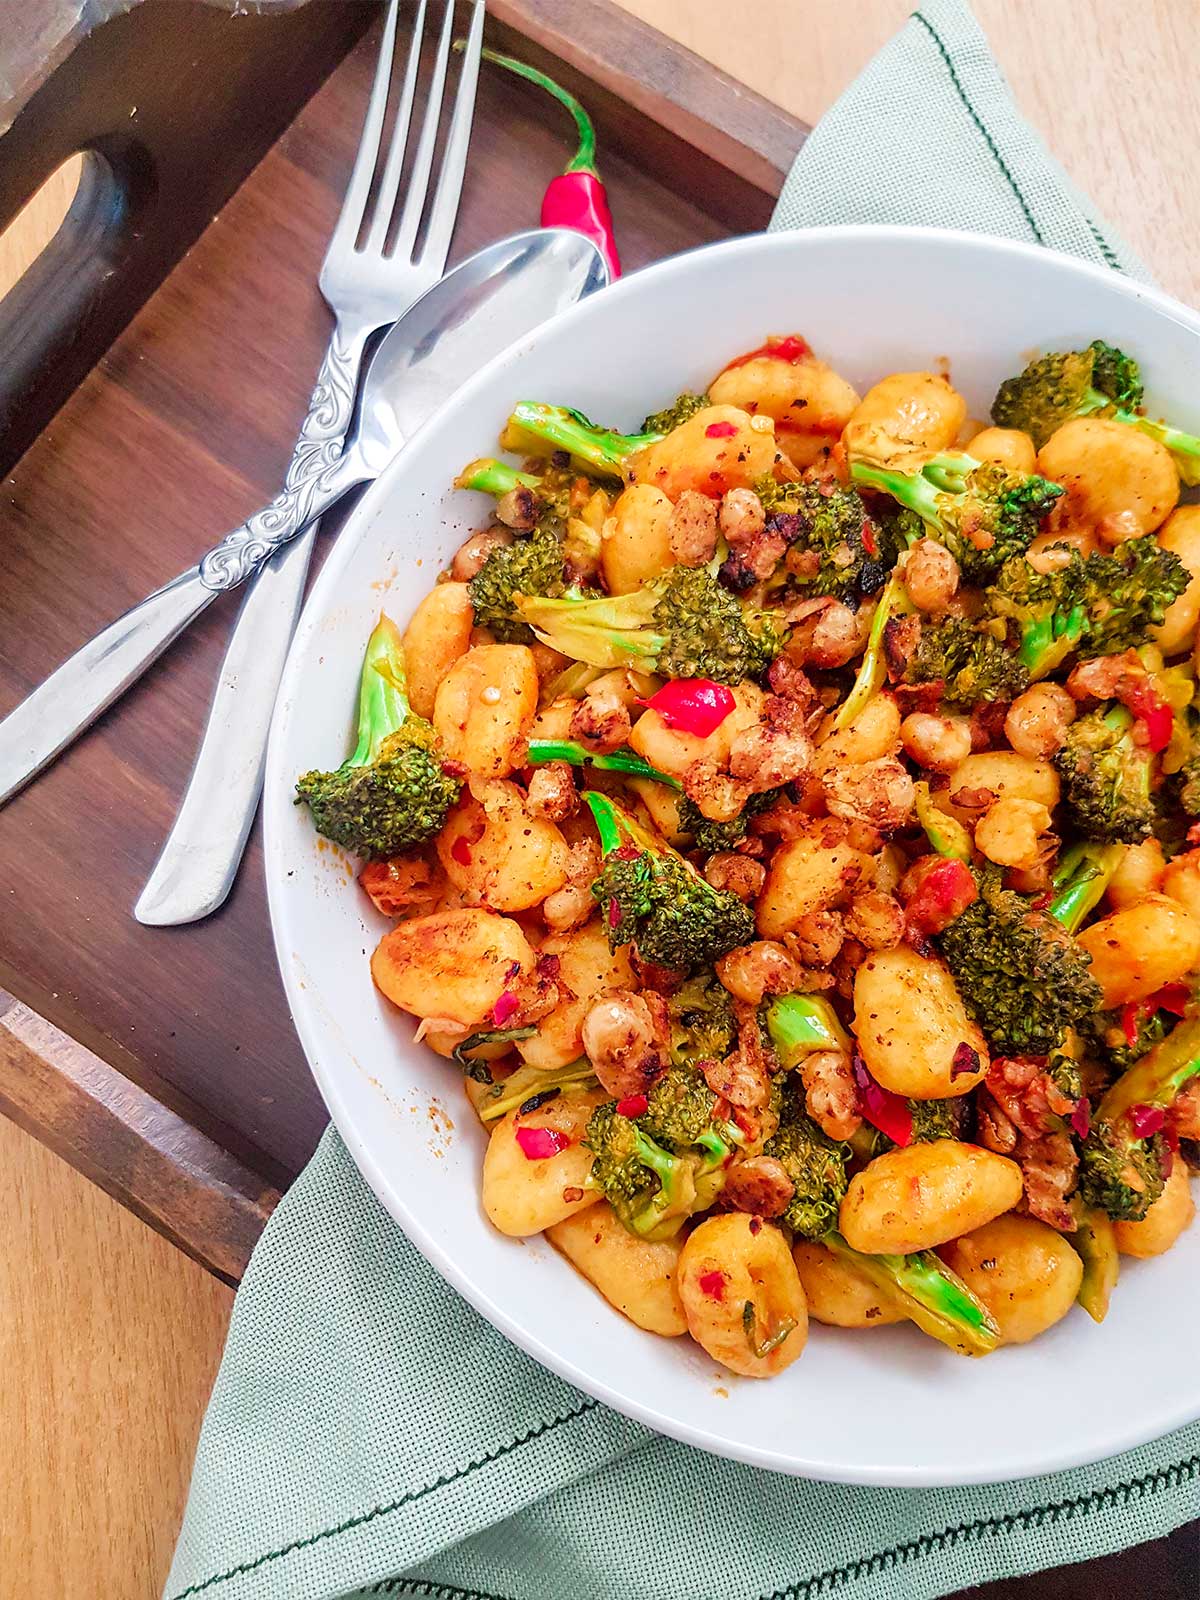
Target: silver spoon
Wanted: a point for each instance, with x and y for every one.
(466, 318)
(472, 314)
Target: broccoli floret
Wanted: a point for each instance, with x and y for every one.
(815, 1165)
(843, 550)
(1121, 1164)
(660, 423)
(981, 512)
(540, 429)
(1088, 607)
(682, 625)
(652, 1190)
(393, 792)
(931, 1120)
(532, 565)
(1123, 1047)
(1107, 777)
(708, 837)
(1098, 381)
(679, 1117)
(650, 896)
(973, 665)
(1021, 975)
(703, 1025)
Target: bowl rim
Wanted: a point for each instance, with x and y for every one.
(1140, 1428)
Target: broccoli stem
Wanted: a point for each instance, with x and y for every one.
(382, 692)
(1185, 447)
(526, 1082)
(930, 1295)
(872, 669)
(945, 833)
(916, 491)
(627, 761)
(493, 477)
(532, 422)
(801, 1023)
(1046, 643)
(1158, 1077)
(1095, 1242)
(1080, 879)
(604, 814)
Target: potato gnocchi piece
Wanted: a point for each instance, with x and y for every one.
(906, 411)
(635, 1275)
(913, 1029)
(742, 1295)
(1025, 1272)
(588, 968)
(525, 1192)
(485, 706)
(719, 448)
(836, 1294)
(1171, 1214)
(1120, 483)
(452, 966)
(1141, 947)
(809, 402)
(497, 852)
(919, 1196)
(438, 636)
(807, 875)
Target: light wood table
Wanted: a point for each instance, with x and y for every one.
(108, 1335)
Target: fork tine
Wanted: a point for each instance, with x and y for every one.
(350, 217)
(418, 179)
(450, 179)
(385, 200)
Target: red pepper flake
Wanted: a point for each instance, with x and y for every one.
(1081, 1118)
(633, 1105)
(966, 1060)
(1131, 1020)
(791, 348)
(713, 1285)
(694, 705)
(869, 542)
(720, 430)
(1146, 703)
(626, 852)
(614, 913)
(460, 850)
(1042, 901)
(888, 1112)
(1172, 997)
(1146, 1121)
(755, 1224)
(539, 1144)
(504, 1008)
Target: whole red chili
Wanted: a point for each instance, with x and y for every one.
(577, 197)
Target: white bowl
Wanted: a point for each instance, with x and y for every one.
(884, 1407)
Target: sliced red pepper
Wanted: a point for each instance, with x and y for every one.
(614, 912)
(693, 705)
(888, 1112)
(539, 1144)
(1131, 1020)
(720, 430)
(869, 542)
(790, 348)
(632, 1106)
(460, 850)
(504, 1008)
(1146, 1121)
(1145, 702)
(945, 891)
(1172, 997)
(1081, 1118)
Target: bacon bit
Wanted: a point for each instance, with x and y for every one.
(539, 1144)
(696, 705)
(884, 1110)
(1146, 1121)
(460, 850)
(713, 1285)
(966, 1060)
(504, 1008)
(614, 913)
(1081, 1118)
(791, 348)
(632, 1106)
(720, 430)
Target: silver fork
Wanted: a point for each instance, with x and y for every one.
(367, 289)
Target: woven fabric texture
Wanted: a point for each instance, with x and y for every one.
(370, 1434)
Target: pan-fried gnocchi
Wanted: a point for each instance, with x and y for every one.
(787, 820)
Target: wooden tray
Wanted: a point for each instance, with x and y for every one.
(163, 1061)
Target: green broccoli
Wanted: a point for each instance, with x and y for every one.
(981, 512)
(893, 604)
(816, 1167)
(679, 1117)
(651, 1189)
(844, 551)
(798, 1024)
(931, 1120)
(530, 1087)
(708, 837)
(1098, 381)
(393, 792)
(1020, 973)
(929, 1294)
(1091, 606)
(973, 666)
(1107, 777)
(539, 429)
(682, 625)
(1182, 759)
(531, 565)
(660, 423)
(1096, 1245)
(627, 762)
(1122, 1160)
(655, 899)
(703, 1025)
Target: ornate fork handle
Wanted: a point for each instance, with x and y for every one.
(331, 407)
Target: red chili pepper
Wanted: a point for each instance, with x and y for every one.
(966, 1060)
(888, 1112)
(614, 912)
(1145, 702)
(791, 348)
(504, 1008)
(1172, 997)
(1146, 1121)
(1131, 1020)
(713, 1285)
(577, 197)
(1081, 1118)
(869, 541)
(720, 430)
(694, 705)
(633, 1105)
(461, 851)
(539, 1144)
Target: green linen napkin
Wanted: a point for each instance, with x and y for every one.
(370, 1434)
